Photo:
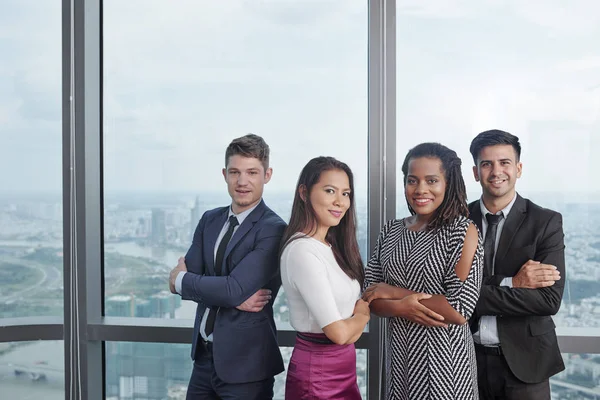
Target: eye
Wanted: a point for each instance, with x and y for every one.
(485, 164)
(347, 194)
(411, 181)
(330, 191)
(253, 172)
(432, 181)
(505, 162)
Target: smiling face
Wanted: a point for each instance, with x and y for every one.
(425, 186)
(246, 178)
(497, 170)
(330, 199)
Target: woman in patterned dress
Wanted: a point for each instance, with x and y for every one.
(424, 276)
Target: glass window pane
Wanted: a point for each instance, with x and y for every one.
(156, 371)
(527, 69)
(33, 370)
(580, 380)
(180, 83)
(31, 259)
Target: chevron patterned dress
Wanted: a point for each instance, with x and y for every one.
(428, 363)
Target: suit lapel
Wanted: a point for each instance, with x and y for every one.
(244, 228)
(476, 215)
(515, 218)
(213, 229)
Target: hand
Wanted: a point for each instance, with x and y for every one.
(416, 312)
(379, 291)
(534, 275)
(362, 307)
(181, 267)
(256, 302)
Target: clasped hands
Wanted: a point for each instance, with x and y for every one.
(254, 303)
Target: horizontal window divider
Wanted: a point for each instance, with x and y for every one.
(24, 329)
(158, 330)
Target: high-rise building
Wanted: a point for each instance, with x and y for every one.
(159, 227)
(194, 216)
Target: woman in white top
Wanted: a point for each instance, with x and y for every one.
(322, 274)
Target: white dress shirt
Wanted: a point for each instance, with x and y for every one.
(240, 217)
(487, 334)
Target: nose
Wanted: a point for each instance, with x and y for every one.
(496, 169)
(242, 179)
(421, 187)
(339, 200)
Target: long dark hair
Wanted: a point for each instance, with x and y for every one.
(303, 219)
(455, 197)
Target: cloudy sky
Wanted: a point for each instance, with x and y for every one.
(183, 78)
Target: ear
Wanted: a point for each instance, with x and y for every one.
(268, 174)
(519, 169)
(476, 173)
(225, 173)
(302, 192)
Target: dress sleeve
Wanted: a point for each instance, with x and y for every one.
(308, 274)
(461, 295)
(374, 270)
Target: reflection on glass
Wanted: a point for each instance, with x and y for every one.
(523, 69)
(30, 160)
(156, 371)
(32, 370)
(294, 73)
(580, 380)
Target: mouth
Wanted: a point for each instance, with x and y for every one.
(336, 214)
(422, 202)
(242, 192)
(497, 182)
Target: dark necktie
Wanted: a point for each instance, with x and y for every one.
(489, 245)
(210, 319)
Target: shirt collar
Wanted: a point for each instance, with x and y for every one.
(241, 216)
(504, 211)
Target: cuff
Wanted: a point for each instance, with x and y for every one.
(178, 281)
(505, 282)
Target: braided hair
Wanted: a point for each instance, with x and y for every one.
(455, 197)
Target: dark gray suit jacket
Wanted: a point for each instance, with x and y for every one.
(525, 325)
(245, 347)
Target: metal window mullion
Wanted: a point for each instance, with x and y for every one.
(82, 197)
(382, 157)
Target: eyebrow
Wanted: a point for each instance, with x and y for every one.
(337, 188)
(426, 176)
(237, 169)
(502, 159)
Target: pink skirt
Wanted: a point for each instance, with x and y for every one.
(321, 371)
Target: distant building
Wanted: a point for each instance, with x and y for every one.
(195, 216)
(159, 227)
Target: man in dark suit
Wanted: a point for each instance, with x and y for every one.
(523, 280)
(232, 272)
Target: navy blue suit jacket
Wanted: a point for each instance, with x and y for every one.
(245, 347)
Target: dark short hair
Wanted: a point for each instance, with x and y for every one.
(251, 146)
(494, 137)
(455, 196)
(304, 218)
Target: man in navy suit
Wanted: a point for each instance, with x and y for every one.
(232, 272)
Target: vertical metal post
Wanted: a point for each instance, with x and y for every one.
(82, 197)
(382, 156)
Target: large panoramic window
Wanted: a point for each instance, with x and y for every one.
(30, 160)
(531, 70)
(31, 259)
(179, 84)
